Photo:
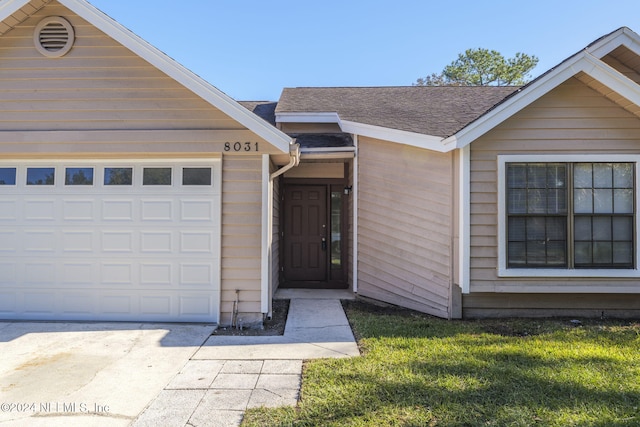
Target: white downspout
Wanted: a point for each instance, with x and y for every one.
(354, 274)
(266, 284)
(294, 160)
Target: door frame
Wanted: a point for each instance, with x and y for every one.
(336, 278)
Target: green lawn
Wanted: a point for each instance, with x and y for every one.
(420, 371)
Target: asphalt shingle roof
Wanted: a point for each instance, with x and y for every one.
(430, 110)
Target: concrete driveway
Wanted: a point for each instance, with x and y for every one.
(89, 374)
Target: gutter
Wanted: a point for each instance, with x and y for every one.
(294, 160)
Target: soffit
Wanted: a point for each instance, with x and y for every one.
(20, 15)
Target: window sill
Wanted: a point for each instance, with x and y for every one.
(549, 272)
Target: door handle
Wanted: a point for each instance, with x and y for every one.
(324, 244)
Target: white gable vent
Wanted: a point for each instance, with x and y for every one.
(54, 36)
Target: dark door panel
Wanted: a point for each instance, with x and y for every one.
(305, 233)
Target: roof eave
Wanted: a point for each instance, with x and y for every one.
(429, 142)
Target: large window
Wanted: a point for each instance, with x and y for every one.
(576, 215)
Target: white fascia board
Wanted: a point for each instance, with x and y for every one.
(178, 72)
(307, 117)
(434, 143)
(623, 36)
(581, 62)
(429, 142)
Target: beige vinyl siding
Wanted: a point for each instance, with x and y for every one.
(99, 84)
(572, 119)
(241, 236)
(404, 226)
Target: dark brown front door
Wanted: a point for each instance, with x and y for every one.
(305, 233)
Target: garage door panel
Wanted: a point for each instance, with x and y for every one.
(117, 210)
(37, 241)
(8, 273)
(8, 306)
(40, 273)
(156, 242)
(78, 241)
(8, 241)
(9, 210)
(78, 304)
(40, 210)
(39, 303)
(157, 274)
(117, 241)
(157, 210)
(78, 274)
(155, 305)
(120, 273)
(196, 210)
(78, 210)
(110, 252)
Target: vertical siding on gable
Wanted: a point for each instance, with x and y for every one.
(241, 237)
(572, 119)
(404, 226)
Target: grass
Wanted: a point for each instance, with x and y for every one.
(420, 371)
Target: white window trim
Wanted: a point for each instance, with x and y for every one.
(503, 271)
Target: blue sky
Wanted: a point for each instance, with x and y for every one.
(251, 49)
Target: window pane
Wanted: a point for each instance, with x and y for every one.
(156, 176)
(336, 229)
(556, 201)
(623, 253)
(196, 176)
(602, 253)
(536, 228)
(623, 201)
(623, 175)
(517, 201)
(537, 201)
(582, 175)
(603, 175)
(583, 253)
(602, 228)
(583, 200)
(556, 176)
(556, 254)
(118, 176)
(602, 201)
(582, 228)
(7, 176)
(623, 229)
(516, 176)
(536, 252)
(41, 176)
(537, 176)
(556, 229)
(517, 230)
(78, 176)
(517, 254)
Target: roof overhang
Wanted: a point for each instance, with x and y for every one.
(169, 66)
(434, 143)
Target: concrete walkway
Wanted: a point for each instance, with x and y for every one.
(229, 374)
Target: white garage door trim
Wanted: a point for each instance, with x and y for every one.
(87, 249)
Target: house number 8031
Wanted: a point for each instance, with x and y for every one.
(241, 146)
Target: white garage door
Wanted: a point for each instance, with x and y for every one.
(110, 240)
